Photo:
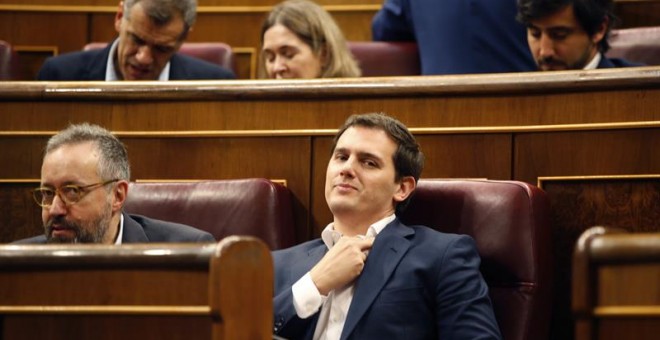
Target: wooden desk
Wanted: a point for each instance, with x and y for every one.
(616, 285)
(147, 291)
(588, 138)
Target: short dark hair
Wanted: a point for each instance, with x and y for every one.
(408, 159)
(589, 13)
(162, 12)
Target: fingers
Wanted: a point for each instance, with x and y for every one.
(342, 264)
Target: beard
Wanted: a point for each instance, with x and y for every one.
(84, 232)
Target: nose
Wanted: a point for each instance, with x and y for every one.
(279, 66)
(58, 207)
(348, 168)
(144, 55)
(546, 46)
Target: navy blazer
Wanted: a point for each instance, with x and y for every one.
(90, 65)
(458, 36)
(140, 229)
(417, 283)
(616, 62)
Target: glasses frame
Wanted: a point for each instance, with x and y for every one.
(84, 190)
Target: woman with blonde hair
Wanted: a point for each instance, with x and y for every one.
(299, 39)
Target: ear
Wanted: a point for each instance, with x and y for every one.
(600, 34)
(406, 187)
(119, 16)
(119, 193)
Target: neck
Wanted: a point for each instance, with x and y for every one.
(357, 224)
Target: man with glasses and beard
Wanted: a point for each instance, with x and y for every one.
(84, 184)
(569, 34)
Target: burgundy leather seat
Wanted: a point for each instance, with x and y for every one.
(510, 223)
(214, 52)
(379, 59)
(640, 44)
(256, 207)
(8, 61)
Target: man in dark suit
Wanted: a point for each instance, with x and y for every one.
(150, 34)
(369, 276)
(457, 36)
(569, 34)
(84, 184)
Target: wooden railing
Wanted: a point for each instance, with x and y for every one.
(165, 291)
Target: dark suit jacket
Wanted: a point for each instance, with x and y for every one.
(140, 229)
(616, 62)
(417, 283)
(90, 65)
(458, 36)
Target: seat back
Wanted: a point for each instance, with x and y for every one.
(255, 207)
(214, 52)
(509, 221)
(640, 44)
(8, 61)
(380, 59)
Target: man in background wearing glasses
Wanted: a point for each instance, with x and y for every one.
(84, 184)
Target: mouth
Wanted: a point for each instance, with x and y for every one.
(137, 72)
(345, 187)
(552, 66)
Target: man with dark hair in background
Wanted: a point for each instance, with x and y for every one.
(150, 34)
(569, 34)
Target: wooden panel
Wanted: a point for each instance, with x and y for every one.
(37, 29)
(576, 204)
(621, 285)
(212, 291)
(637, 13)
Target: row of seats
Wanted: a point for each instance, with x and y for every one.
(377, 59)
(509, 221)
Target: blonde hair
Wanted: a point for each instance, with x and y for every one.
(314, 26)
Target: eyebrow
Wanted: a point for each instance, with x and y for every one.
(361, 154)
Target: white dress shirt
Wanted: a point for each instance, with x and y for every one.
(593, 64)
(307, 299)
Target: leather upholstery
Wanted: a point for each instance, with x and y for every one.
(214, 52)
(378, 59)
(256, 207)
(510, 223)
(8, 61)
(640, 44)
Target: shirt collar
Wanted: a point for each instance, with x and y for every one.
(111, 72)
(330, 236)
(593, 64)
(120, 234)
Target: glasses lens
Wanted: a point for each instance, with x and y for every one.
(43, 196)
(70, 194)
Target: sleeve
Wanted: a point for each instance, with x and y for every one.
(286, 321)
(47, 71)
(464, 309)
(393, 22)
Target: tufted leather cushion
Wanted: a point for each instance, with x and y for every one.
(378, 59)
(256, 207)
(640, 44)
(510, 223)
(214, 52)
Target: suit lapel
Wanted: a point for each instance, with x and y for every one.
(133, 231)
(98, 62)
(388, 250)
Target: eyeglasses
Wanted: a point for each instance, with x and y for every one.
(69, 194)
